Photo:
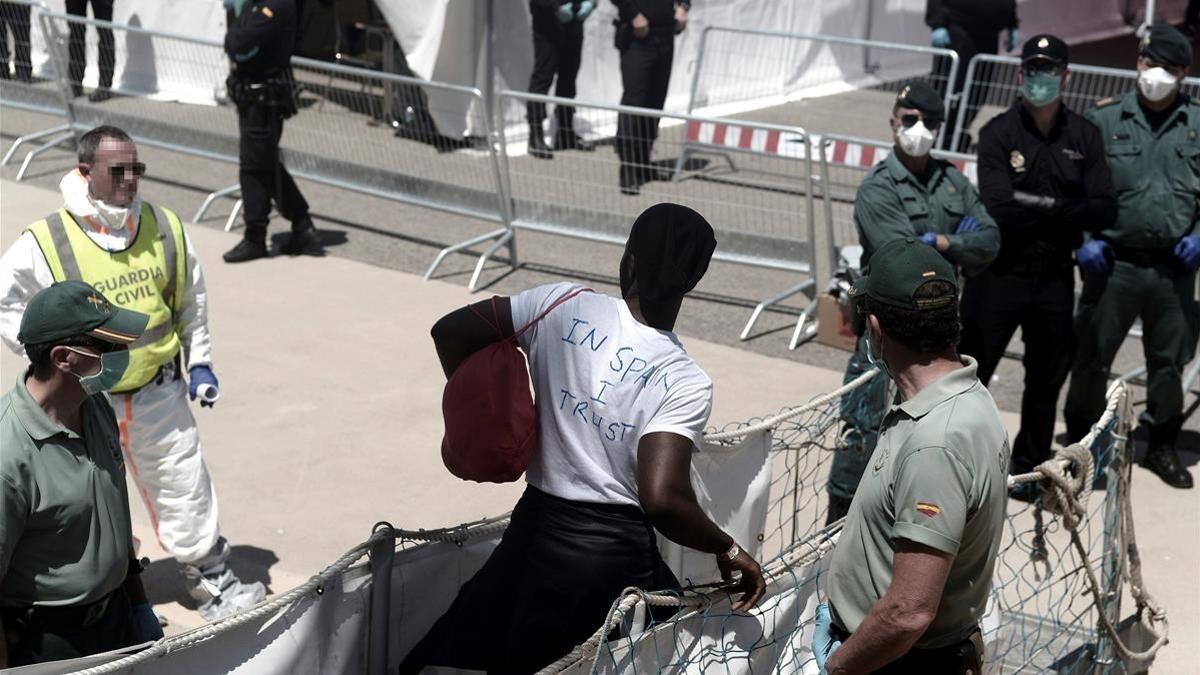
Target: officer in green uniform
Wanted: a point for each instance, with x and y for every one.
(68, 580)
(1145, 264)
(921, 537)
(909, 194)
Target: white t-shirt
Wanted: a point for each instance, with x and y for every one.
(602, 380)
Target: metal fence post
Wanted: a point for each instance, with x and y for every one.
(951, 96)
(964, 101)
(382, 555)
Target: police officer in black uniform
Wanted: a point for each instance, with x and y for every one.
(645, 37)
(260, 44)
(557, 49)
(1043, 177)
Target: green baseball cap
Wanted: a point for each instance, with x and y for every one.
(70, 308)
(899, 268)
(920, 96)
(1164, 44)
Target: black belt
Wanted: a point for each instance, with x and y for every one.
(71, 617)
(1035, 266)
(960, 658)
(1144, 257)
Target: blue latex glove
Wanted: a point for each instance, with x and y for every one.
(940, 38)
(929, 239)
(565, 13)
(1188, 251)
(1014, 36)
(823, 644)
(585, 10)
(967, 224)
(1095, 257)
(197, 376)
(147, 624)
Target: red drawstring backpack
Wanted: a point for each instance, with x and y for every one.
(491, 420)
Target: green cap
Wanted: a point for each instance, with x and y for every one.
(70, 308)
(917, 94)
(1166, 45)
(899, 268)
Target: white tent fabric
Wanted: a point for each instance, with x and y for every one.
(732, 486)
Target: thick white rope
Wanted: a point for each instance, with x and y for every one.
(772, 422)
(456, 534)
(804, 552)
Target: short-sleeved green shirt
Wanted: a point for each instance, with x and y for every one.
(64, 513)
(938, 478)
(1156, 172)
(892, 203)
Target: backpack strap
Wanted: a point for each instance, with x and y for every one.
(557, 302)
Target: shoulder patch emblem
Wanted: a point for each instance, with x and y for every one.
(927, 509)
(1017, 160)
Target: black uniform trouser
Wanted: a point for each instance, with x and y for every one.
(557, 48)
(994, 304)
(40, 641)
(14, 19)
(261, 173)
(967, 41)
(77, 50)
(645, 76)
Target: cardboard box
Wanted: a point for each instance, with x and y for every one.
(833, 326)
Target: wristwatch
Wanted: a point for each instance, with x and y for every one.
(733, 552)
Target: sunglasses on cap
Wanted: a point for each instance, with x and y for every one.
(121, 171)
(910, 119)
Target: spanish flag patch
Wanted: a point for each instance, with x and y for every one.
(928, 510)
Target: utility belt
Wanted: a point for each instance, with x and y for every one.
(1144, 257)
(168, 372)
(275, 91)
(58, 619)
(963, 658)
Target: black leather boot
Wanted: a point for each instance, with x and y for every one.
(537, 143)
(252, 246)
(304, 238)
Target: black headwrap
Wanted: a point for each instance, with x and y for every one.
(671, 246)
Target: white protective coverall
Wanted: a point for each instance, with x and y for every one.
(158, 432)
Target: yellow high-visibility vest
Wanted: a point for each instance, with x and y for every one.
(147, 277)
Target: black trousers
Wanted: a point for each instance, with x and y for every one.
(546, 588)
(77, 50)
(967, 42)
(645, 76)
(994, 304)
(262, 175)
(557, 48)
(961, 659)
(14, 19)
(39, 642)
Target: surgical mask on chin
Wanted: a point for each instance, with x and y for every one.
(1156, 83)
(1041, 89)
(112, 368)
(115, 217)
(874, 360)
(917, 140)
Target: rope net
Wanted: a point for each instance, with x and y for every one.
(1056, 593)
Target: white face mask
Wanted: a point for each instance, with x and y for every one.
(115, 217)
(917, 140)
(1156, 83)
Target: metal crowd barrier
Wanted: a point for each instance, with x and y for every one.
(737, 68)
(190, 115)
(991, 87)
(33, 84)
(767, 222)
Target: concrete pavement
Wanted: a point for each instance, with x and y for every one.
(330, 421)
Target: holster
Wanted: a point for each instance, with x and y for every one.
(276, 92)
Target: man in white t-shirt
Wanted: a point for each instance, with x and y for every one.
(621, 406)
